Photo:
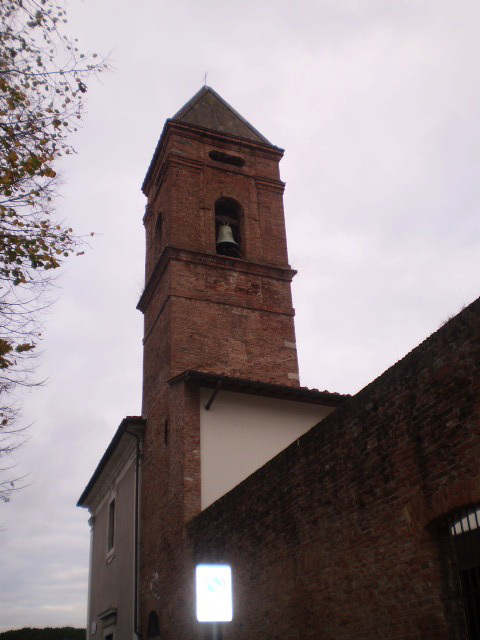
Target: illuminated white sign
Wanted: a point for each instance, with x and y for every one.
(214, 592)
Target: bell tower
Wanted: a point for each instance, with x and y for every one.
(217, 303)
(217, 297)
(221, 396)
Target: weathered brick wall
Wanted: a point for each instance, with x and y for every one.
(208, 315)
(337, 537)
(170, 497)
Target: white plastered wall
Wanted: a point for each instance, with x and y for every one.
(241, 432)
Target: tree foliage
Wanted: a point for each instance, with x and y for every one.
(43, 78)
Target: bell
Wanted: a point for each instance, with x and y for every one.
(226, 245)
(225, 235)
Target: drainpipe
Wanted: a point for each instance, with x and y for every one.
(136, 594)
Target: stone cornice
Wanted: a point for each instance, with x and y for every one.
(269, 184)
(147, 214)
(174, 159)
(210, 260)
(196, 132)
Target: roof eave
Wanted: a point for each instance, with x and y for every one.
(258, 387)
(134, 425)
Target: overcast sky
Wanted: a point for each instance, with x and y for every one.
(377, 104)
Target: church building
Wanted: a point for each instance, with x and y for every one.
(341, 517)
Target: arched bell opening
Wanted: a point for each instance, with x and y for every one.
(229, 228)
(153, 626)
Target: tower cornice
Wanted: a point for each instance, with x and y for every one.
(274, 272)
(174, 159)
(203, 133)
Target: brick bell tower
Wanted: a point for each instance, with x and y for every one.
(215, 307)
(206, 311)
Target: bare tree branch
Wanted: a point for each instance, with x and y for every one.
(43, 81)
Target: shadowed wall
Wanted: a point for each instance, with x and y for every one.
(337, 537)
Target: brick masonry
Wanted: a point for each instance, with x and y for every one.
(203, 312)
(338, 536)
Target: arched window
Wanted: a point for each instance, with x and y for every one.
(158, 237)
(153, 627)
(228, 228)
(461, 551)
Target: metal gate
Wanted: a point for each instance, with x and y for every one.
(461, 542)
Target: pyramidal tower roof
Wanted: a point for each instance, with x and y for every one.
(208, 109)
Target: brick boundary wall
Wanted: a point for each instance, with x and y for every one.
(337, 537)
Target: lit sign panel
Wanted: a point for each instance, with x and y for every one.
(214, 592)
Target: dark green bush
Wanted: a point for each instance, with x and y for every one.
(49, 633)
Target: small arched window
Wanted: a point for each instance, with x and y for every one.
(158, 236)
(229, 228)
(153, 627)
